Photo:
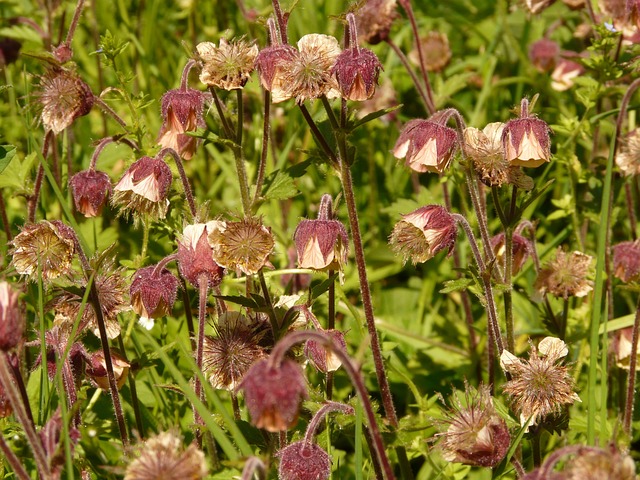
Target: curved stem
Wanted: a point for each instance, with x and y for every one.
(253, 466)
(320, 414)
(278, 353)
(317, 134)
(184, 79)
(33, 201)
(74, 22)
(405, 62)
(223, 118)
(163, 263)
(106, 141)
(183, 176)
(110, 111)
(266, 132)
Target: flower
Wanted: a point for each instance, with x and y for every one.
(11, 318)
(153, 293)
(566, 275)
(90, 189)
(486, 151)
(52, 443)
(423, 233)
(303, 460)
(195, 256)
(544, 54)
(45, 248)
(227, 356)
(539, 386)
(273, 394)
(356, 71)
(96, 369)
(564, 73)
(272, 64)
(598, 463)
(244, 245)
(228, 66)
(476, 435)
(435, 52)
(181, 112)
(64, 96)
(144, 187)
(537, 6)
(520, 248)
(526, 140)
(628, 155)
(374, 19)
(621, 347)
(321, 244)
(324, 359)
(626, 261)
(163, 457)
(427, 145)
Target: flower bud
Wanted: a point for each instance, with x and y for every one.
(11, 318)
(273, 394)
(324, 359)
(423, 233)
(626, 261)
(426, 145)
(303, 460)
(90, 190)
(144, 188)
(526, 141)
(181, 112)
(96, 369)
(153, 293)
(520, 250)
(64, 97)
(544, 54)
(356, 71)
(195, 256)
(45, 248)
(228, 66)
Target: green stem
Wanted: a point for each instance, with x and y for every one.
(266, 132)
(239, 158)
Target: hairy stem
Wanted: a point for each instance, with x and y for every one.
(631, 385)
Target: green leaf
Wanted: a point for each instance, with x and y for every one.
(7, 152)
(373, 116)
(279, 186)
(240, 300)
(456, 285)
(17, 173)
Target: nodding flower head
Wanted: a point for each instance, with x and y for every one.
(321, 244)
(90, 190)
(426, 145)
(227, 66)
(273, 394)
(356, 70)
(44, 248)
(626, 261)
(153, 292)
(526, 140)
(520, 248)
(303, 460)
(144, 188)
(182, 111)
(423, 233)
(544, 54)
(96, 369)
(11, 318)
(324, 359)
(195, 256)
(64, 96)
(273, 64)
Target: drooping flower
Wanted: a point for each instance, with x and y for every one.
(423, 233)
(153, 292)
(544, 54)
(195, 256)
(322, 358)
(96, 369)
(622, 348)
(427, 145)
(628, 155)
(273, 64)
(521, 248)
(273, 394)
(564, 73)
(626, 261)
(539, 386)
(435, 50)
(566, 275)
(90, 190)
(164, 457)
(64, 96)
(321, 244)
(11, 317)
(526, 139)
(227, 66)
(244, 245)
(475, 435)
(144, 188)
(45, 248)
(182, 111)
(303, 460)
(356, 71)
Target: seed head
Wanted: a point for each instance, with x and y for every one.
(303, 461)
(228, 355)
(426, 145)
(64, 97)
(521, 248)
(544, 54)
(423, 233)
(628, 156)
(435, 50)
(539, 386)
(153, 293)
(45, 246)
(143, 189)
(96, 369)
(356, 71)
(476, 435)
(592, 464)
(11, 318)
(273, 394)
(181, 112)
(163, 457)
(374, 20)
(626, 261)
(228, 66)
(244, 245)
(566, 275)
(90, 189)
(486, 151)
(195, 255)
(273, 64)
(324, 359)
(526, 142)
(564, 73)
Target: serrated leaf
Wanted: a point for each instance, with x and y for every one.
(16, 174)
(279, 186)
(7, 152)
(456, 285)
